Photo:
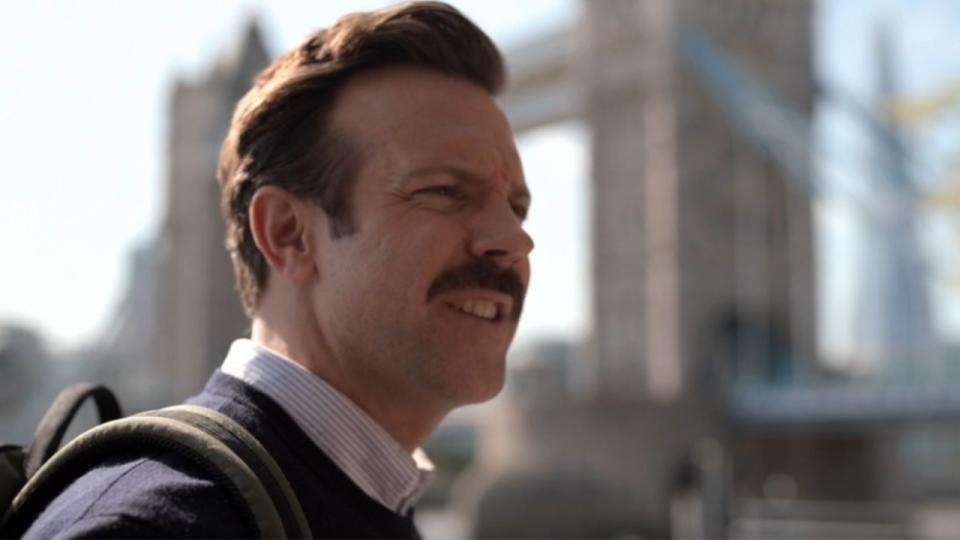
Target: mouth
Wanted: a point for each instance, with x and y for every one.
(486, 310)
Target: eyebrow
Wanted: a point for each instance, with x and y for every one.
(462, 173)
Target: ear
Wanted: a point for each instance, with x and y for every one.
(281, 227)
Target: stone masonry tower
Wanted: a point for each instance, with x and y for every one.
(702, 259)
(199, 311)
(699, 237)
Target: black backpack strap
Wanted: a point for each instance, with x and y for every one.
(247, 448)
(191, 434)
(11, 475)
(49, 434)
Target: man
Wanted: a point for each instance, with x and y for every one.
(374, 202)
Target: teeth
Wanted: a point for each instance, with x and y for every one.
(480, 308)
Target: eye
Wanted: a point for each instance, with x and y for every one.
(441, 191)
(520, 211)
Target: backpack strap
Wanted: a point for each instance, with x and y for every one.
(49, 434)
(219, 446)
(246, 446)
(11, 475)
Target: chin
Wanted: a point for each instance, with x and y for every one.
(482, 387)
(464, 376)
(485, 395)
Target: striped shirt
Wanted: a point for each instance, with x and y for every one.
(363, 450)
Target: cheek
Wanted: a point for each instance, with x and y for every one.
(405, 255)
(425, 248)
(399, 272)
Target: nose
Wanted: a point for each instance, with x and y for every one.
(498, 235)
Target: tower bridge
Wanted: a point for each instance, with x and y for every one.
(548, 87)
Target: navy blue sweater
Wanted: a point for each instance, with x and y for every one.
(153, 495)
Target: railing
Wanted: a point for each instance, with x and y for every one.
(909, 397)
(760, 519)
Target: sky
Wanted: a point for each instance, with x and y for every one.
(83, 118)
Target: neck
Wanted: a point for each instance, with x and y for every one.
(408, 419)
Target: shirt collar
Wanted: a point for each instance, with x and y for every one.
(360, 447)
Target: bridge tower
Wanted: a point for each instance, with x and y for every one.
(702, 251)
(200, 314)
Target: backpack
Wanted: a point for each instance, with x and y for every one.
(31, 477)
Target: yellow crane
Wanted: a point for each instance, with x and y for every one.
(923, 109)
(918, 111)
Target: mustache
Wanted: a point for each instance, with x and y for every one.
(482, 274)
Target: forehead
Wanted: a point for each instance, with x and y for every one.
(410, 119)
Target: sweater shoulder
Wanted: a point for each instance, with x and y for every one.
(131, 496)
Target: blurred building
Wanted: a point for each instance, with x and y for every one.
(28, 382)
(181, 311)
(702, 248)
(200, 312)
(896, 319)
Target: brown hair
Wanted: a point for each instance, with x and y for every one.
(280, 133)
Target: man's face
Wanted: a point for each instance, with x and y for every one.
(421, 301)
